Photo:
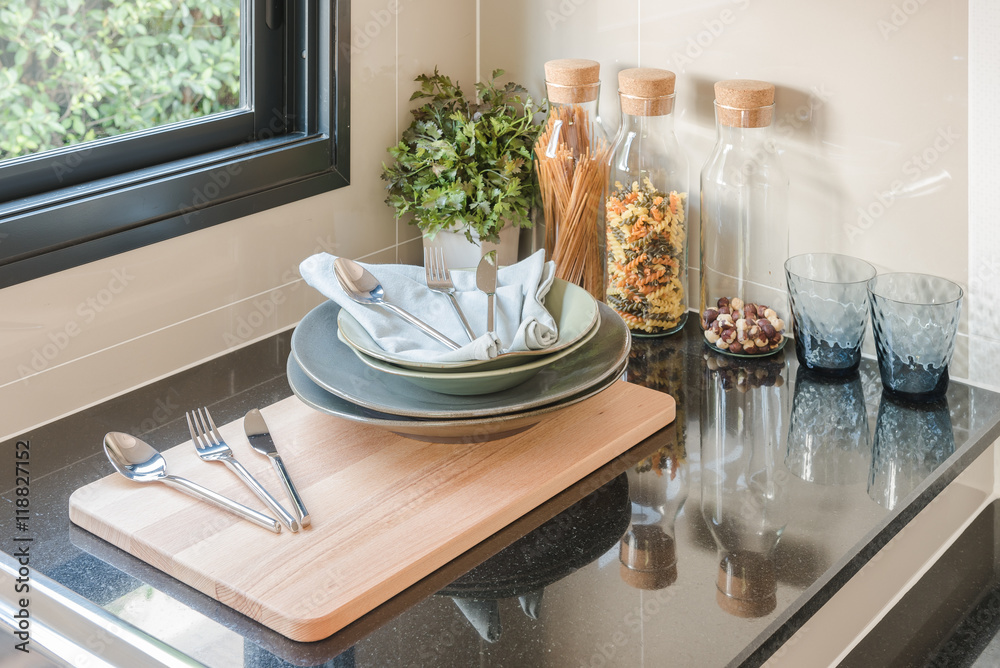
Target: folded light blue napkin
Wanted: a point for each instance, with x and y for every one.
(522, 321)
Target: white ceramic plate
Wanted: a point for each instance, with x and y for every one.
(476, 381)
(333, 366)
(574, 309)
(468, 430)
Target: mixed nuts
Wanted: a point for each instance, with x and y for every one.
(745, 329)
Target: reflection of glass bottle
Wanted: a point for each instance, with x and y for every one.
(661, 364)
(657, 487)
(911, 440)
(828, 438)
(742, 476)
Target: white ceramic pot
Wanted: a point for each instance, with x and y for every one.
(459, 252)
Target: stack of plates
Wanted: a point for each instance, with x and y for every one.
(336, 368)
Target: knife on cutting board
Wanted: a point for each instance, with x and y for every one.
(261, 441)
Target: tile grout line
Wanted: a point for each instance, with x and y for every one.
(179, 322)
(149, 333)
(638, 33)
(395, 75)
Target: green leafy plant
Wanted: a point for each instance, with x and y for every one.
(466, 165)
(76, 70)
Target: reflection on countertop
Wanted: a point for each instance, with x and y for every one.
(697, 546)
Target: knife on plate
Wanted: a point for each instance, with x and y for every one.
(486, 281)
(261, 441)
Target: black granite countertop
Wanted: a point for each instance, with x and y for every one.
(708, 544)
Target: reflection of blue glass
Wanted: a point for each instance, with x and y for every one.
(911, 440)
(828, 439)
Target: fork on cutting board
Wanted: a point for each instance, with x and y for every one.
(212, 448)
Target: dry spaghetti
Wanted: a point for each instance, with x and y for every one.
(572, 173)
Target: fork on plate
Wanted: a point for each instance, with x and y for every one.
(212, 448)
(439, 280)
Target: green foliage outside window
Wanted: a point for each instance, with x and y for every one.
(76, 70)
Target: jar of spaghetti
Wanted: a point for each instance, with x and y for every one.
(646, 208)
(571, 159)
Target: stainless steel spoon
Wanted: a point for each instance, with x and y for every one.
(137, 460)
(361, 286)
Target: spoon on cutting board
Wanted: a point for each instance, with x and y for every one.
(361, 286)
(138, 461)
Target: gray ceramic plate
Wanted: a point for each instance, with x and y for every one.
(574, 309)
(473, 381)
(334, 367)
(474, 430)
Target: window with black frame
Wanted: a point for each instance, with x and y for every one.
(127, 122)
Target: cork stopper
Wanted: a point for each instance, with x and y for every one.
(646, 91)
(648, 558)
(572, 80)
(744, 103)
(746, 585)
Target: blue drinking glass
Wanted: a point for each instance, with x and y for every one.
(915, 319)
(829, 298)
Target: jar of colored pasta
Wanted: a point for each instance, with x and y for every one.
(646, 208)
(744, 228)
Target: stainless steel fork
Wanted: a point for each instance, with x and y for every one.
(439, 280)
(212, 448)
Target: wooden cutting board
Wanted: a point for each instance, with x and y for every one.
(386, 510)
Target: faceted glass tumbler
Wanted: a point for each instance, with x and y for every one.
(829, 298)
(915, 319)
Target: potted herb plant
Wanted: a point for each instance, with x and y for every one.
(465, 166)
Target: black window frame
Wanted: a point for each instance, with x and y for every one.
(68, 207)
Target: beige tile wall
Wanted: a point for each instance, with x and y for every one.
(872, 105)
(78, 337)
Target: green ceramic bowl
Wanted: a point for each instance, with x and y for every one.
(468, 382)
(574, 310)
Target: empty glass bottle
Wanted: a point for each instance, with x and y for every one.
(744, 196)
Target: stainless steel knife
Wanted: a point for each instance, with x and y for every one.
(261, 441)
(486, 281)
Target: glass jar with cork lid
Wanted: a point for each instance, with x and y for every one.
(571, 159)
(744, 229)
(646, 208)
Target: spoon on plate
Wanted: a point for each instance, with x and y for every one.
(137, 460)
(361, 286)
